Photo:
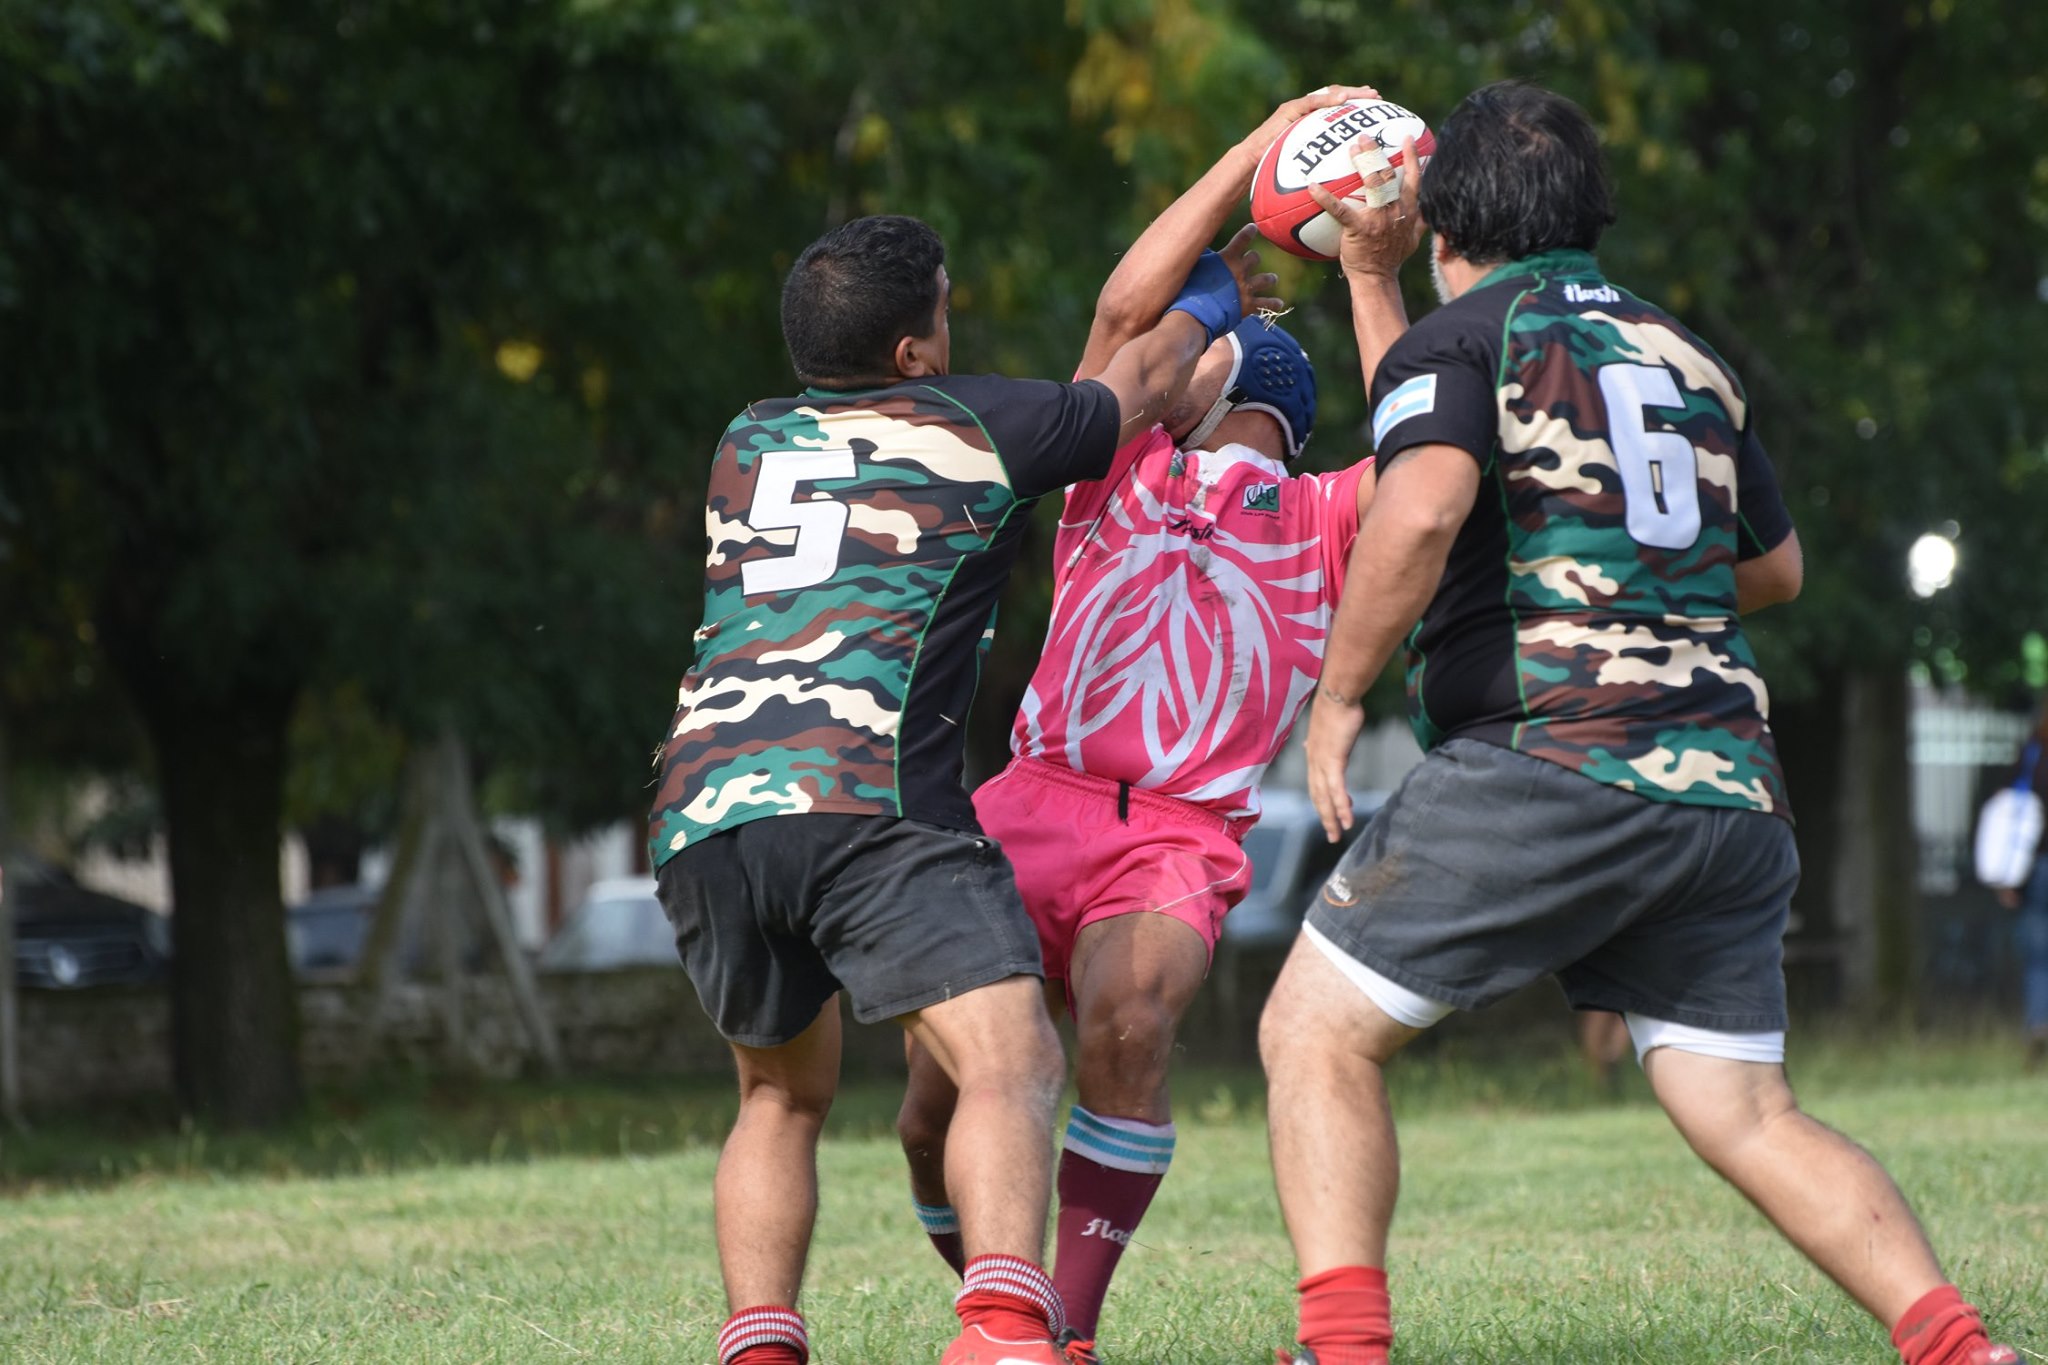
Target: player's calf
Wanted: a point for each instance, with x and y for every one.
(921, 1126)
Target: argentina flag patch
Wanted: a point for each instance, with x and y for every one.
(1411, 398)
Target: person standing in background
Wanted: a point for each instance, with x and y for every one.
(2031, 900)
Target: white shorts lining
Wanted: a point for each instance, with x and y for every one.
(1648, 1033)
(1396, 1001)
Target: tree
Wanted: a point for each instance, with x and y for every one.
(272, 277)
(1837, 199)
(371, 352)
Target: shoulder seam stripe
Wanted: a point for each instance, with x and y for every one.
(1508, 522)
(982, 428)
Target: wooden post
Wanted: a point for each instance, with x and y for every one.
(439, 869)
(465, 831)
(10, 1018)
(436, 896)
(396, 903)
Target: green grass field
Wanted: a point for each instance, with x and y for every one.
(1540, 1222)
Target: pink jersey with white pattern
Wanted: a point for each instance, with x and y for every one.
(1192, 597)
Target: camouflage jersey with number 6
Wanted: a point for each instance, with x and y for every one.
(1587, 613)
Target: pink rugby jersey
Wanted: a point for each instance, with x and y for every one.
(1192, 596)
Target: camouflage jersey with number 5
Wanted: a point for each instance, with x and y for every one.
(857, 544)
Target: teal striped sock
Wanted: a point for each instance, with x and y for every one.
(1120, 1144)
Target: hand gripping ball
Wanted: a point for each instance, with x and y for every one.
(1353, 151)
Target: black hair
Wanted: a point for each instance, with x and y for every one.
(1517, 171)
(856, 292)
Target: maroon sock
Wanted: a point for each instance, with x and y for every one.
(1099, 1210)
(1109, 1172)
(1346, 1318)
(768, 1335)
(1939, 1329)
(942, 1225)
(951, 1249)
(1010, 1298)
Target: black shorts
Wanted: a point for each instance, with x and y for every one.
(1490, 868)
(775, 916)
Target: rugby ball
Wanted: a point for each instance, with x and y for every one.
(1324, 148)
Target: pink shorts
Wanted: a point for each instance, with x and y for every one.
(1088, 849)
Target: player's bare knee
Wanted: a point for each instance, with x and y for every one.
(806, 1102)
(1279, 1032)
(1724, 1135)
(1023, 1058)
(1130, 1038)
(921, 1123)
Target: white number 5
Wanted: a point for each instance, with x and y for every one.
(820, 525)
(1659, 470)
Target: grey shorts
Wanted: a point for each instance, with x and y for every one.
(1490, 868)
(775, 916)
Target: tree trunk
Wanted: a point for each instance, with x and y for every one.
(10, 1040)
(234, 1009)
(1849, 766)
(1809, 735)
(1877, 889)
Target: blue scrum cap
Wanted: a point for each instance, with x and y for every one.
(1269, 373)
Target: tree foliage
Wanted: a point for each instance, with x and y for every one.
(363, 356)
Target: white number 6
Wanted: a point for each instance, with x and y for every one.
(1659, 470)
(820, 526)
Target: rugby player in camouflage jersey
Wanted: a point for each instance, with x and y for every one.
(1573, 510)
(810, 834)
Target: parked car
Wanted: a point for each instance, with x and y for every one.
(620, 923)
(1290, 858)
(325, 932)
(66, 936)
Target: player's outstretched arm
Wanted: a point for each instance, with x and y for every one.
(1375, 243)
(1425, 494)
(1148, 372)
(1146, 279)
(1771, 578)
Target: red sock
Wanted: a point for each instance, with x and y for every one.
(1010, 1298)
(767, 1335)
(1939, 1329)
(1346, 1318)
(1099, 1210)
(773, 1353)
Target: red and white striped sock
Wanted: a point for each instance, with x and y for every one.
(768, 1335)
(1010, 1298)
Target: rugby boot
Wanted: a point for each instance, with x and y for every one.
(975, 1346)
(1304, 1356)
(1076, 1349)
(1989, 1354)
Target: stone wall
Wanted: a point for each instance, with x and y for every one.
(113, 1044)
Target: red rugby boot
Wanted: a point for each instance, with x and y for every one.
(1076, 1349)
(974, 1346)
(1304, 1356)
